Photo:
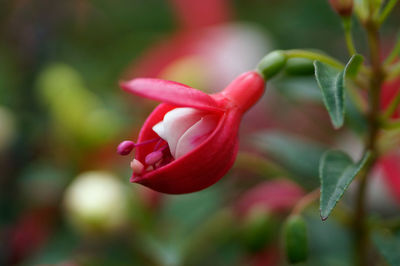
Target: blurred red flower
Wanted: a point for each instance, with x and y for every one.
(278, 196)
(389, 91)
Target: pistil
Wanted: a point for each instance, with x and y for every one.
(153, 160)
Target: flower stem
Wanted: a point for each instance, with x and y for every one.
(346, 21)
(392, 106)
(394, 53)
(386, 11)
(390, 125)
(295, 53)
(394, 71)
(375, 83)
(306, 201)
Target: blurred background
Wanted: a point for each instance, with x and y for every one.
(65, 196)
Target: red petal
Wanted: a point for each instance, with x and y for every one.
(245, 90)
(391, 167)
(171, 92)
(199, 168)
(147, 132)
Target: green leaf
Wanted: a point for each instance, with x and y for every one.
(300, 157)
(336, 171)
(389, 247)
(332, 84)
(353, 66)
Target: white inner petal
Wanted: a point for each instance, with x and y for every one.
(159, 129)
(184, 129)
(175, 123)
(195, 135)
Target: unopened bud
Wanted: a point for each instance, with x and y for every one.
(295, 237)
(343, 7)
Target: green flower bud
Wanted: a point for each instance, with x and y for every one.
(272, 64)
(295, 239)
(299, 67)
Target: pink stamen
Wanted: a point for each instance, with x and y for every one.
(153, 160)
(137, 166)
(153, 157)
(158, 144)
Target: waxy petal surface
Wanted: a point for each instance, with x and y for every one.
(195, 135)
(176, 122)
(197, 169)
(172, 93)
(147, 131)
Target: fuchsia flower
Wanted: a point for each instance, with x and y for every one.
(190, 140)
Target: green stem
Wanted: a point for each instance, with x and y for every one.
(392, 106)
(346, 21)
(314, 56)
(386, 11)
(394, 71)
(392, 223)
(304, 202)
(376, 79)
(394, 53)
(296, 53)
(390, 125)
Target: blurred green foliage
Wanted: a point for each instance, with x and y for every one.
(60, 63)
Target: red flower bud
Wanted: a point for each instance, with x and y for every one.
(195, 132)
(343, 7)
